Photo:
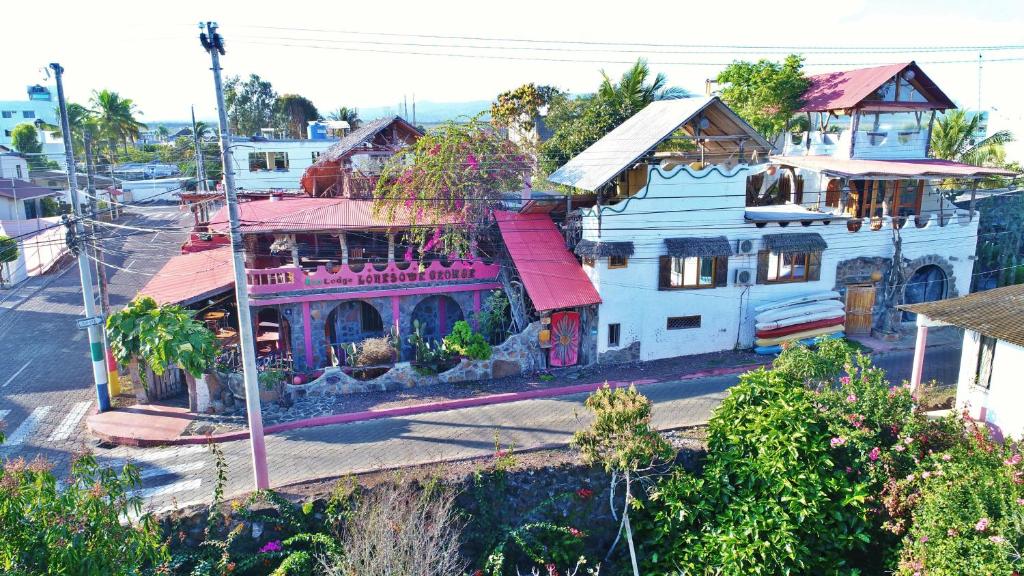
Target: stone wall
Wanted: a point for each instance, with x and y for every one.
(622, 355)
(859, 271)
(519, 354)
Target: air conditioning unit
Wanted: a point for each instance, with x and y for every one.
(744, 277)
(744, 246)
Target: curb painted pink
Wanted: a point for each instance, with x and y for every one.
(421, 409)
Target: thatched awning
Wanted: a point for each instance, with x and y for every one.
(697, 246)
(591, 249)
(795, 242)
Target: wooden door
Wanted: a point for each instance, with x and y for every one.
(860, 305)
(565, 339)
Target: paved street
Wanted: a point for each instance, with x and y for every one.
(45, 374)
(45, 392)
(178, 476)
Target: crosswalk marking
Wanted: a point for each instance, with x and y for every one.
(175, 469)
(67, 427)
(28, 427)
(183, 486)
(20, 370)
(152, 455)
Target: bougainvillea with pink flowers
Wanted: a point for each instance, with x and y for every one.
(447, 185)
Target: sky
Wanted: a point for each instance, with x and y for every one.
(373, 53)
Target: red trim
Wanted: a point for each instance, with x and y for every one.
(787, 330)
(373, 294)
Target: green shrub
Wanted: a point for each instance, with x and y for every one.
(969, 513)
(772, 499)
(75, 529)
(464, 342)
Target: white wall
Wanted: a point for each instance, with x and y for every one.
(10, 164)
(159, 190)
(300, 157)
(1003, 402)
(711, 202)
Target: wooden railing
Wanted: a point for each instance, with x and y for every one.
(370, 276)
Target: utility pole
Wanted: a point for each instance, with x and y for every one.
(214, 44)
(113, 380)
(200, 164)
(99, 368)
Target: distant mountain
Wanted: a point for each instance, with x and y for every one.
(429, 112)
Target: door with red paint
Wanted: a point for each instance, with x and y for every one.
(565, 339)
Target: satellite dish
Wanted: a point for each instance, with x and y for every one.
(704, 123)
(909, 75)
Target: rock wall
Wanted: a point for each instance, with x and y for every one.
(520, 353)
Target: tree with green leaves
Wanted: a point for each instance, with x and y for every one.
(518, 108)
(161, 336)
(250, 104)
(162, 132)
(447, 184)
(115, 119)
(954, 137)
(622, 440)
(765, 93)
(25, 139)
(8, 254)
(293, 112)
(346, 114)
(576, 123)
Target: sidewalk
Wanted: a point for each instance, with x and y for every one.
(148, 425)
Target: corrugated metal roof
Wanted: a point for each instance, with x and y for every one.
(553, 278)
(304, 214)
(188, 278)
(22, 189)
(630, 141)
(910, 168)
(846, 89)
(996, 313)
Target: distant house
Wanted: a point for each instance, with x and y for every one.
(992, 358)
(40, 106)
(350, 167)
(19, 198)
(274, 164)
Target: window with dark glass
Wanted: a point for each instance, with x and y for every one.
(613, 334)
(986, 354)
(682, 322)
(618, 261)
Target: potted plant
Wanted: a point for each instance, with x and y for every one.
(270, 381)
(854, 224)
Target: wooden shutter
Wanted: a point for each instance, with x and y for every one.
(814, 266)
(721, 270)
(664, 272)
(799, 190)
(762, 267)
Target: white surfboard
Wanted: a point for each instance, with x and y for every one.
(799, 310)
(800, 320)
(813, 297)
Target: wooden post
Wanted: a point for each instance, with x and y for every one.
(344, 249)
(391, 248)
(295, 250)
(854, 124)
(974, 194)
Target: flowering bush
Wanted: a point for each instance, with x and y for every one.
(76, 529)
(969, 517)
(772, 499)
(448, 183)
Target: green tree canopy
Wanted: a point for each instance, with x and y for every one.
(519, 107)
(25, 139)
(346, 114)
(250, 104)
(447, 184)
(293, 112)
(578, 122)
(115, 119)
(8, 249)
(765, 93)
(954, 138)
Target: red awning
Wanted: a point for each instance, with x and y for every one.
(191, 277)
(921, 168)
(552, 276)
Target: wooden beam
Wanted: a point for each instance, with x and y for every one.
(974, 194)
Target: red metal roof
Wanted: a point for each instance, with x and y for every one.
(924, 167)
(551, 274)
(304, 214)
(191, 277)
(845, 90)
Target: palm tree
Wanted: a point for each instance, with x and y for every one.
(346, 114)
(953, 138)
(80, 121)
(162, 132)
(202, 130)
(633, 91)
(116, 118)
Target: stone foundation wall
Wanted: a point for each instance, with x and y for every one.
(519, 354)
(623, 355)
